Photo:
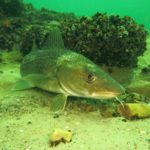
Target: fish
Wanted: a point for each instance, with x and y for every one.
(56, 69)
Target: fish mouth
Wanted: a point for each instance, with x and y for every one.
(105, 95)
(96, 94)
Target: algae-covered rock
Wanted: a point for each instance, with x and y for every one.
(106, 40)
(134, 110)
(15, 24)
(12, 8)
(141, 87)
(109, 40)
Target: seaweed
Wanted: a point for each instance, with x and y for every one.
(107, 40)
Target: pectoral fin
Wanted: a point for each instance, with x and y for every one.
(30, 81)
(37, 79)
(58, 103)
(22, 85)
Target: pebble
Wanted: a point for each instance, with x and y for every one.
(56, 115)
(148, 140)
(21, 131)
(29, 122)
(142, 132)
(77, 123)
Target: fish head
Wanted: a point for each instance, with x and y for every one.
(83, 78)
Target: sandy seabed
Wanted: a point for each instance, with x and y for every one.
(26, 122)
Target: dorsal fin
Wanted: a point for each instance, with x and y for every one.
(54, 40)
(34, 46)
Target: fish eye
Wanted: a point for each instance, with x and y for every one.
(90, 77)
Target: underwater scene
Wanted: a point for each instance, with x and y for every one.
(74, 75)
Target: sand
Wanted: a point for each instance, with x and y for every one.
(26, 122)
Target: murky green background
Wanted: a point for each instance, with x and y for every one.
(138, 9)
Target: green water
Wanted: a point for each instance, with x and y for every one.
(138, 9)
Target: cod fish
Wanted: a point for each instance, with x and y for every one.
(56, 69)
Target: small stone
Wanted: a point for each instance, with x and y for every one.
(142, 132)
(110, 70)
(83, 102)
(29, 122)
(65, 113)
(124, 120)
(145, 70)
(21, 131)
(77, 123)
(148, 140)
(27, 148)
(56, 115)
(60, 136)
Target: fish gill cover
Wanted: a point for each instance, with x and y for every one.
(105, 39)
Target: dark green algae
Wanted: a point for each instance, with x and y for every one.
(106, 40)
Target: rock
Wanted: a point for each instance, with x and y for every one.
(123, 75)
(12, 8)
(134, 110)
(108, 111)
(141, 87)
(106, 40)
(60, 136)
